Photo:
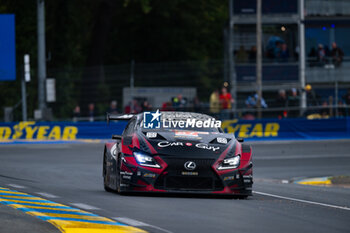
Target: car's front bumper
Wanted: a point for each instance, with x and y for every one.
(171, 178)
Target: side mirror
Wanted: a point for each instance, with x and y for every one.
(117, 137)
(240, 139)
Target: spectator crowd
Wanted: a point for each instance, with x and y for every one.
(323, 55)
(285, 105)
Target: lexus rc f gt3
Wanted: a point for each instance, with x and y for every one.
(173, 158)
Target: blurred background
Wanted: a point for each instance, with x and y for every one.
(88, 57)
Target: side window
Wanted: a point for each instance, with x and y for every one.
(129, 129)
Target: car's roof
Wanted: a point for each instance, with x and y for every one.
(172, 115)
(180, 116)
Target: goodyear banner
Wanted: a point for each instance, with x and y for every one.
(58, 131)
(271, 129)
(251, 130)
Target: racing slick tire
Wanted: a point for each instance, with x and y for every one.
(108, 189)
(118, 176)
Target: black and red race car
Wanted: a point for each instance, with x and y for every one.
(170, 158)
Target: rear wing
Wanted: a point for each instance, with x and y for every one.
(118, 117)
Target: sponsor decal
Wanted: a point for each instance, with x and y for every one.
(229, 178)
(149, 175)
(189, 138)
(29, 130)
(109, 164)
(189, 173)
(186, 133)
(151, 134)
(222, 140)
(126, 173)
(166, 144)
(126, 177)
(247, 178)
(253, 130)
(152, 120)
(198, 145)
(207, 147)
(189, 135)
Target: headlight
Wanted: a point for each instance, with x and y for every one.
(145, 160)
(230, 163)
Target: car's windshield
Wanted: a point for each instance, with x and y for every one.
(168, 125)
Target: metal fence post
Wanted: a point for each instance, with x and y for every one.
(232, 72)
(41, 53)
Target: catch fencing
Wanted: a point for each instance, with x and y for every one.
(98, 87)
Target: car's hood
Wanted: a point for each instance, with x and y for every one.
(191, 144)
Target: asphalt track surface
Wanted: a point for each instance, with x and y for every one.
(71, 174)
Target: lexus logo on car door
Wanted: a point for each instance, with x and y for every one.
(189, 165)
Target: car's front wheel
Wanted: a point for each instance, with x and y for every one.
(105, 181)
(118, 181)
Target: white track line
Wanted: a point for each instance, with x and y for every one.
(17, 186)
(266, 157)
(303, 201)
(136, 223)
(47, 195)
(84, 206)
(131, 222)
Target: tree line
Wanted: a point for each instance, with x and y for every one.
(95, 33)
